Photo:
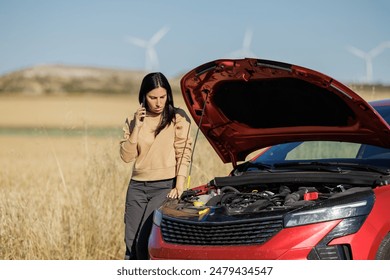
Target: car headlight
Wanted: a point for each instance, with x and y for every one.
(157, 217)
(338, 210)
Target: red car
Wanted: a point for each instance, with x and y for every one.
(319, 189)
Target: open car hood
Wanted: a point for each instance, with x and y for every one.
(242, 105)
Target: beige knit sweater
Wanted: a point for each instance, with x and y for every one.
(161, 157)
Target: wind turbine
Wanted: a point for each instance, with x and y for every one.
(151, 59)
(369, 56)
(246, 45)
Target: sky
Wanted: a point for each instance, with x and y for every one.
(110, 33)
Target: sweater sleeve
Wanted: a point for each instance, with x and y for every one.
(128, 151)
(182, 143)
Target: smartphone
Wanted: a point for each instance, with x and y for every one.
(143, 105)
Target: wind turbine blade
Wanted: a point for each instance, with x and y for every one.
(136, 41)
(356, 52)
(158, 35)
(380, 48)
(367, 60)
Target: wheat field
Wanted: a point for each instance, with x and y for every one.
(62, 183)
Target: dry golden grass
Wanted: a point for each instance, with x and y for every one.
(58, 201)
(62, 197)
(371, 94)
(62, 200)
(64, 111)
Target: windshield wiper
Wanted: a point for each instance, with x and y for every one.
(363, 167)
(333, 166)
(310, 165)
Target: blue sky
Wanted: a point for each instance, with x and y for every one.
(313, 34)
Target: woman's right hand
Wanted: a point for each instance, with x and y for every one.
(139, 116)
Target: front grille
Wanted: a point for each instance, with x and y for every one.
(245, 232)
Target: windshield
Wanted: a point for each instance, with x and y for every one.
(318, 150)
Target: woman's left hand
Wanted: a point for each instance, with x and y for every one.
(175, 193)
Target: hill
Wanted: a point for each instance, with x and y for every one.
(76, 80)
(62, 79)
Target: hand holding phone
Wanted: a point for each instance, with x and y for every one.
(143, 107)
(139, 115)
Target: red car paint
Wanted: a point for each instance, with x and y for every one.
(233, 140)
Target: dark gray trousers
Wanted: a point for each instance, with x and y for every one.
(142, 198)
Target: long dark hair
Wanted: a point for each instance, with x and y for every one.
(150, 82)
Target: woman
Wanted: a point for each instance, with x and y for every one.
(158, 141)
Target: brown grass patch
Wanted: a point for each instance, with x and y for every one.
(58, 201)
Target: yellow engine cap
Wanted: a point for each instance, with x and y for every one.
(198, 203)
